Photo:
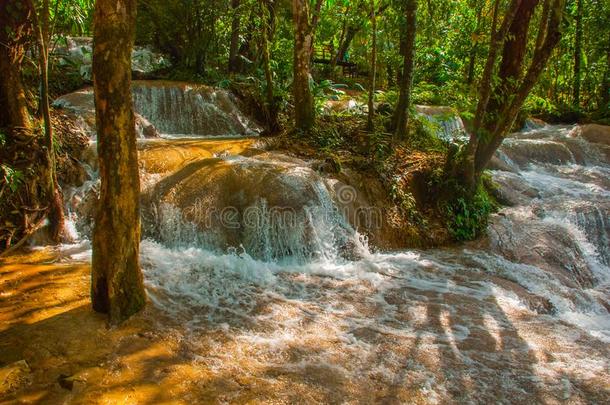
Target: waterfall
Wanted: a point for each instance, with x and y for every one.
(251, 253)
(184, 110)
(274, 208)
(170, 109)
(448, 123)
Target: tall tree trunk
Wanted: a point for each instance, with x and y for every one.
(56, 212)
(543, 24)
(577, 55)
(371, 104)
(304, 114)
(234, 46)
(272, 112)
(15, 30)
(116, 285)
(315, 19)
(400, 121)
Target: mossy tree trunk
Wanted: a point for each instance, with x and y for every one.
(117, 287)
(15, 30)
(304, 114)
(371, 101)
(400, 120)
(267, 22)
(577, 56)
(234, 45)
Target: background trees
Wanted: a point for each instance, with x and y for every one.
(491, 60)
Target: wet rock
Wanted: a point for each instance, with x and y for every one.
(594, 220)
(527, 151)
(526, 239)
(144, 128)
(511, 189)
(594, 133)
(179, 109)
(71, 383)
(498, 163)
(65, 382)
(73, 173)
(81, 108)
(14, 376)
(534, 123)
(273, 205)
(330, 165)
(540, 305)
(346, 105)
(384, 109)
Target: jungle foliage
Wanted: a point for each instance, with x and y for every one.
(291, 59)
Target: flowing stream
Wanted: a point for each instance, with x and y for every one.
(251, 253)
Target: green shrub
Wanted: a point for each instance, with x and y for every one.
(467, 217)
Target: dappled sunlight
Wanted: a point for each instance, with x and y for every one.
(34, 288)
(163, 156)
(303, 202)
(328, 340)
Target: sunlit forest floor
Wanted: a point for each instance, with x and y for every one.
(72, 356)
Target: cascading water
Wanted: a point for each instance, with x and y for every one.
(170, 109)
(187, 110)
(448, 123)
(254, 247)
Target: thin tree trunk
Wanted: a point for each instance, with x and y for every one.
(577, 55)
(234, 46)
(116, 285)
(400, 120)
(497, 114)
(371, 104)
(348, 34)
(543, 24)
(303, 37)
(56, 212)
(315, 19)
(271, 105)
